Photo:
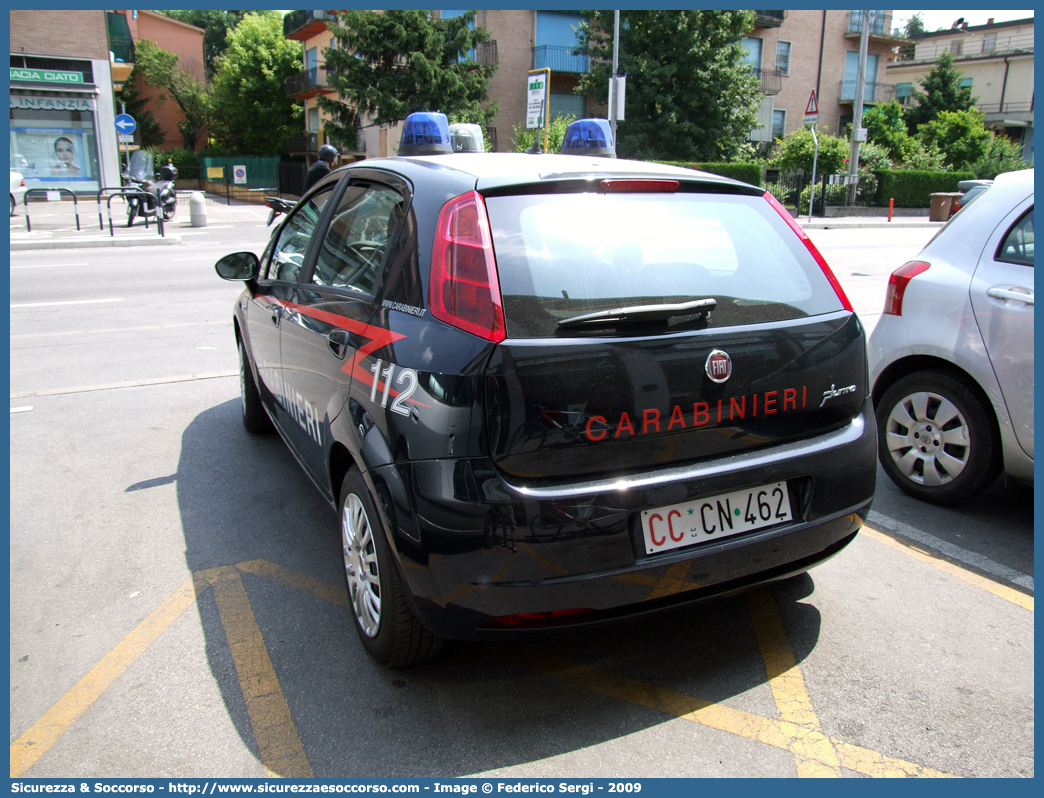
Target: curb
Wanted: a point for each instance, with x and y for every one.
(849, 225)
(95, 243)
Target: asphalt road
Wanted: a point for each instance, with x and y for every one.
(177, 608)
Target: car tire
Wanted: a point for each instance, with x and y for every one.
(12, 204)
(935, 439)
(255, 419)
(387, 627)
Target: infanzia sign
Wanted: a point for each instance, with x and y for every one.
(45, 75)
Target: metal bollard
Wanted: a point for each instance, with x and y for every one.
(198, 209)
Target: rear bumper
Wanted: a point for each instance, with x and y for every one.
(473, 546)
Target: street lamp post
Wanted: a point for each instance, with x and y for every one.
(857, 107)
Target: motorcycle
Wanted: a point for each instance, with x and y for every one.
(142, 176)
(278, 206)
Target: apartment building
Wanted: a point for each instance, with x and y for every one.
(519, 41)
(62, 122)
(794, 52)
(995, 61)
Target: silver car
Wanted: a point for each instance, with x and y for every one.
(951, 359)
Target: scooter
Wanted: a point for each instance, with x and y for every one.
(162, 197)
(278, 206)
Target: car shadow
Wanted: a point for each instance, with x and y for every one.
(478, 706)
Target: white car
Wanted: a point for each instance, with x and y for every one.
(18, 190)
(951, 359)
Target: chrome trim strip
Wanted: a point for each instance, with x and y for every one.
(849, 434)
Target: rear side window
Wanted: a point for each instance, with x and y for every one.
(564, 255)
(1017, 246)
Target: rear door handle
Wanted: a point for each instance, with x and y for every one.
(1008, 293)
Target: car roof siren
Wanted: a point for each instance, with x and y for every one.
(425, 134)
(589, 137)
(467, 137)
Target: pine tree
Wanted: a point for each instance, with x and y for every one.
(389, 64)
(942, 92)
(689, 95)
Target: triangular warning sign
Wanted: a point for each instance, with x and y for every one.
(813, 106)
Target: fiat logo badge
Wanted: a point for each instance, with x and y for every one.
(719, 366)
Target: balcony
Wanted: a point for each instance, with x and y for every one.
(307, 84)
(300, 145)
(559, 59)
(872, 92)
(969, 46)
(769, 19)
(301, 25)
(771, 80)
(881, 30)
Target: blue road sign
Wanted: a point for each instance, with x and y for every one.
(125, 124)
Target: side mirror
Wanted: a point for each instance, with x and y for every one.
(238, 266)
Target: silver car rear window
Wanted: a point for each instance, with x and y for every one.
(563, 255)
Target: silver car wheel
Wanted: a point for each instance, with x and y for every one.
(927, 437)
(360, 565)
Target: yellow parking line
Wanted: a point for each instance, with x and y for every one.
(671, 582)
(335, 594)
(27, 749)
(997, 589)
(273, 725)
(781, 734)
(813, 751)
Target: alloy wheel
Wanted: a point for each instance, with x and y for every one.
(360, 565)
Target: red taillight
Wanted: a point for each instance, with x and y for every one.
(23, 183)
(464, 288)
(811, 248)
(897, 283)
(539, 618)
(662, 186)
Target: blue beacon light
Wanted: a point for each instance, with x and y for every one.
(591, 137)
(425, 134)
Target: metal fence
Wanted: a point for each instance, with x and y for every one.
(259, 172)
(792, 190)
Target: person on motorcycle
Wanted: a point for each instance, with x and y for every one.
(321, 168)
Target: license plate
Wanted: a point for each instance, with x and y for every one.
(715, 517)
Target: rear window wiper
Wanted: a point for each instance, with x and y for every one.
(641, 313)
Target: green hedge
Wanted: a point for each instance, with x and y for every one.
(913, 189)
(747, 172)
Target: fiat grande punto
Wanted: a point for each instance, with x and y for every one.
(547, 391)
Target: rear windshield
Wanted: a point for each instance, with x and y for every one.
(563, 255)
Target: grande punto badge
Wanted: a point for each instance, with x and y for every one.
(719, 366)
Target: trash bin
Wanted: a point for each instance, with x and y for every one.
(942, 205)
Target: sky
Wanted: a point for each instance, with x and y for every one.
(933, 19)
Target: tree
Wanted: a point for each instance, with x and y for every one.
(914, 28)
(942, 92)
(524, 137)
(689, 96)
(885, 126)
(250, 87)
(1003, 155)
(217, 24)
(130, 101)
(960, 136)
(796, 151)
(160, 69)
(387, 65)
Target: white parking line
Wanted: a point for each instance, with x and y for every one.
(56, 304)
(24, 409)
(47, 265)
(952, 551)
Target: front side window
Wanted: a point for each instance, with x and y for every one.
(288, 254)
(1018, 243)
(358, 237)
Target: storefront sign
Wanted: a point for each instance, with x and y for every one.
(52, 103)
(45, 75)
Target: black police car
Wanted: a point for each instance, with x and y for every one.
(550, 390)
